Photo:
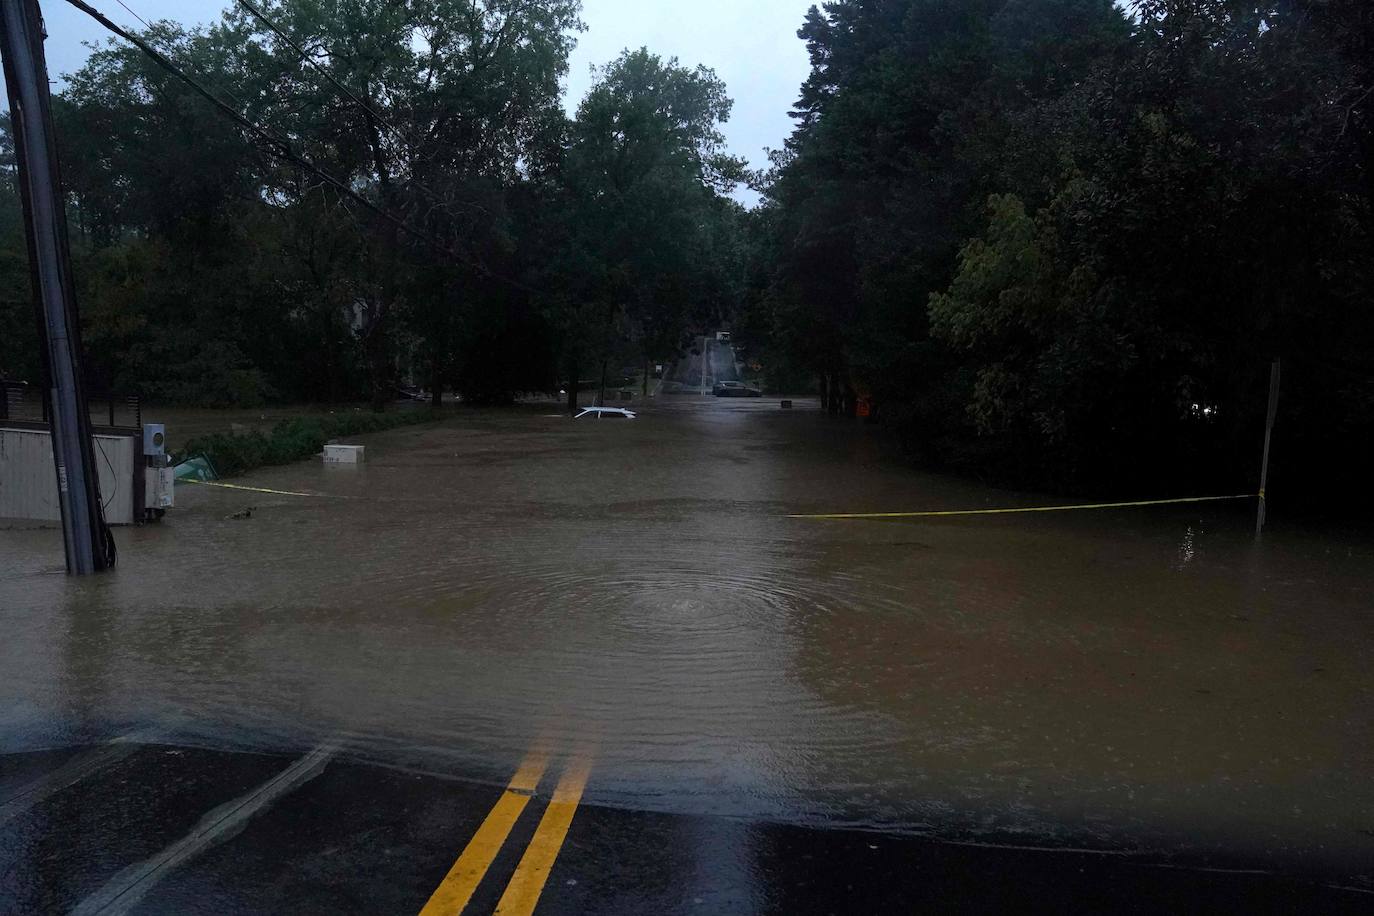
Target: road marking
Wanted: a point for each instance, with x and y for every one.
(67, 775)
(124, 891)
(454, 892)
(522, 894)
(1149, 502)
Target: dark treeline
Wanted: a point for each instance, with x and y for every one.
(1053, 242)
(534, 248)
(1059, 243)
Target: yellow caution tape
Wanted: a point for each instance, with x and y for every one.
(846, 515)
(948, 513)
(231, 486)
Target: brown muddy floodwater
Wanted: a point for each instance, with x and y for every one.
(1139, 679)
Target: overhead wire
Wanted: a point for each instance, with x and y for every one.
(147, 25)
(335, 82)
(279, 146)
(135, 15)
(307, 58)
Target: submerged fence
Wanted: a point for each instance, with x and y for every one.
(24, 402)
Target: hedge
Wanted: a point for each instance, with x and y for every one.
(292, 440)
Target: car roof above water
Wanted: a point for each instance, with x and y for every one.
(607, 412)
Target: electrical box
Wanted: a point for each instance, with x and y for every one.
(154, 440)
(159, 489)
(159, 479)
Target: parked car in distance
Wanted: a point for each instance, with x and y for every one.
(613, 412)
(735, 390)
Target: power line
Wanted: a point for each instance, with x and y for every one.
(135, 15)
(277, 145)
(305, 56)
(281, 147)
(128, 9)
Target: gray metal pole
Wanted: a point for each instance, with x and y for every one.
(1274, 374)
(26, 80)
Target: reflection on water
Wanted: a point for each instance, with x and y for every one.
(1187, 548)
(512, 578)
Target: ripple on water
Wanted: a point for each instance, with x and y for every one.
(714, 656)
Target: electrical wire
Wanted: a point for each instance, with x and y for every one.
(281, 148)
(113, 476)
(305, 56)
(135, 15)
(103, 527)
(276, 145)
(147, 25)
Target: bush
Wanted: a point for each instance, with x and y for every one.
(292, 440)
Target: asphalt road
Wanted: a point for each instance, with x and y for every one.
(127, 827)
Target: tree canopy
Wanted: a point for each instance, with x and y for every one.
(215, 270)
(1060, 243)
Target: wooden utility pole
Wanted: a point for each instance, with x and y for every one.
(1268, 438)
(26, 80)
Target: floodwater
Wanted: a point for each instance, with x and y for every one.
(1144, 679)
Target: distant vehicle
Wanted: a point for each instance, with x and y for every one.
(411, 393)
(735, 390)
(614, 412)
(722, 336)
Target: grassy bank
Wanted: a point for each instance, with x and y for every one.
(293, 439)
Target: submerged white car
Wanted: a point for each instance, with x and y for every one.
(600, 412)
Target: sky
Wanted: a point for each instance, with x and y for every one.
(751, 44)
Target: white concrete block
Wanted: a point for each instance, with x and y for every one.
(344, 454)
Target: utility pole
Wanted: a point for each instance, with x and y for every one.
(705, 360)
(1268, 438)
(26, 80)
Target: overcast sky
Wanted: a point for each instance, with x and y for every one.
(751, 44)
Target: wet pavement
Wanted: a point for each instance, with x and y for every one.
(364, 838)
(774, 715)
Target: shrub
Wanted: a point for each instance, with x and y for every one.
(292, 440)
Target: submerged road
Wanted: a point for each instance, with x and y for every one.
(517, 663)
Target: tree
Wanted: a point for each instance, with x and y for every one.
(19, 356)
(208, 263)
(904, 127)
(1061, 245)
(443, 102)
(645, 236)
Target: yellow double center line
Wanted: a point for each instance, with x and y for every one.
(528, 881)
(522, 894)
